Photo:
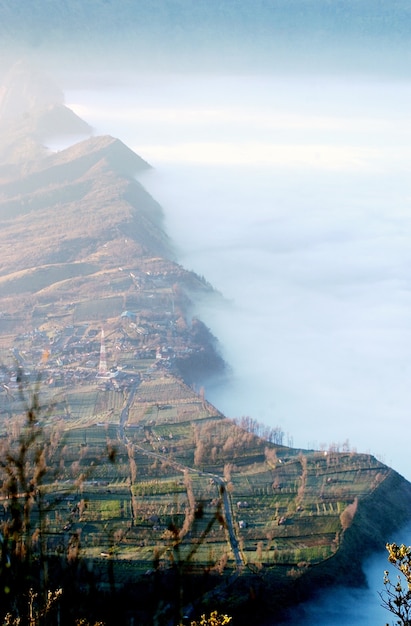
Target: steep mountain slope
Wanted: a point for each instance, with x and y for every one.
(68, 206)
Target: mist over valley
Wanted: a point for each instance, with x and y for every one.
(291, 197)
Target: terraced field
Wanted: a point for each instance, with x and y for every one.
(154, 490)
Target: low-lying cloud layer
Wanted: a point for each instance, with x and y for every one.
(291, 196)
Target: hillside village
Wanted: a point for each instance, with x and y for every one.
(136, 343)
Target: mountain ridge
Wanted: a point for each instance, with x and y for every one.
(93, 301)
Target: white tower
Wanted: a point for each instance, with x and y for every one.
(102, 370)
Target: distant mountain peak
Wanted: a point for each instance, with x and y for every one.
(32, 113)
(26, 90)
(104, 148)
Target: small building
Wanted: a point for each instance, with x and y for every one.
(128, 315)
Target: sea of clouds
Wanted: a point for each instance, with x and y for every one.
(291, 195)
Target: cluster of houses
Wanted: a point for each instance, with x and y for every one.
(70, 355)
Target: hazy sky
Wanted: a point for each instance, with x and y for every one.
(210, 35)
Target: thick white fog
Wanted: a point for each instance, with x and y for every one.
(292, 197)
